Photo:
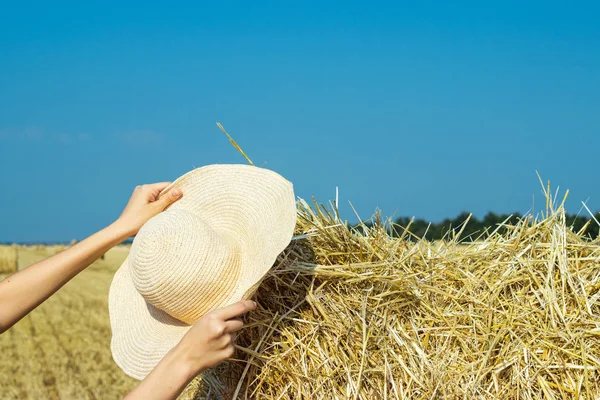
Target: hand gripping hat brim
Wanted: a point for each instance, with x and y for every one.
(207, 250)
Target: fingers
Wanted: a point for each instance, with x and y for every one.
(226, 340)
(151, 193)
(235, 310)
(159, 186)
(233, 325)
(228, 352)
(168, 198)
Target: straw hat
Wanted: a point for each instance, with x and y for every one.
(207, 250)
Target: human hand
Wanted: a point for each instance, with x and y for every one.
(145, 204)
(210, 340)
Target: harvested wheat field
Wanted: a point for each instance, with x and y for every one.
(8, 259)
(61, 349)
(358, 314)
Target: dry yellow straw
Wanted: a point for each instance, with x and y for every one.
(234, 143)
(358, 314)
(367, 316)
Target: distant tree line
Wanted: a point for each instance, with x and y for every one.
(475, 227)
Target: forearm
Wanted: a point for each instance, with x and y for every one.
(207, 343)
(26, 289)
(167, 380)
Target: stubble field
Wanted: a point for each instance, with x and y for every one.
(61, 350)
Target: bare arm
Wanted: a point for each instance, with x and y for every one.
(205, 345)
(25, 290)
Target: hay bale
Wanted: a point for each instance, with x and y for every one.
(366, 316)
(8, 259)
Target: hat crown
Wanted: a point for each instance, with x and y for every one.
(182, 266)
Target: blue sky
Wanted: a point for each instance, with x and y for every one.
(420, 109)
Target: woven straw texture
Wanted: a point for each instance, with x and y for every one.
(208, 250)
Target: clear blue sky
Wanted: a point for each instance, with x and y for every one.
(419, 108)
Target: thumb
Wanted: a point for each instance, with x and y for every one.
(168, 198)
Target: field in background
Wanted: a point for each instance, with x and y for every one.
(8, 259)
(61, 349)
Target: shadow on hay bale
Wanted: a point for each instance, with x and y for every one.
(283, 290)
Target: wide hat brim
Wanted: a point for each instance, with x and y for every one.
(257, 204)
